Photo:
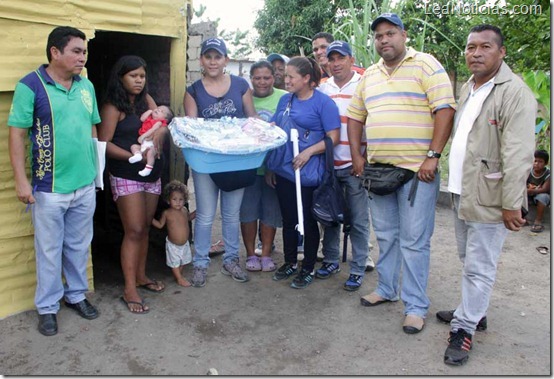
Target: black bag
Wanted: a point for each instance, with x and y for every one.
(383, 179)
(233, 180)
(328, 204)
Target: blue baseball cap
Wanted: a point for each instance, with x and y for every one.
(216, 44)
(389, 17)
(341, 47)
(274, 56)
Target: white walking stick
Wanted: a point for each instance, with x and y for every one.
(299, 210)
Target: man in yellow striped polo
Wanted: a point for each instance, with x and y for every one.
(406, 103)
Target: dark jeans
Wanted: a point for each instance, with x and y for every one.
(286, 193)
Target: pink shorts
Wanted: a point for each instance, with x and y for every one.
(122, 187)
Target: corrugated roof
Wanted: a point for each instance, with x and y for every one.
(24, 26)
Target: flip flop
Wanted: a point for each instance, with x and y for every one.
(217, 248)
(144, 311)
(537, 228)
(148, 286)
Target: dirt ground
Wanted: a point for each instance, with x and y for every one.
(265, 327)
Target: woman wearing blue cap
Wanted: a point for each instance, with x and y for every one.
(217, 95)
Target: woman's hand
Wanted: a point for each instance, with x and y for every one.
(301, 159)
(158, 139)
(270, 178)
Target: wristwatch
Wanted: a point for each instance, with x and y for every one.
(433, 154)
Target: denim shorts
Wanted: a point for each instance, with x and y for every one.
(260, 202)
(541, 197)
(123, 187)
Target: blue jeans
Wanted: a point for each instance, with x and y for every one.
(404, 236)
(63, 232)
(358, 205)
(479, 247)
(207, 194)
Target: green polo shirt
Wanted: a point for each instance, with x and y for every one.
(63, 155)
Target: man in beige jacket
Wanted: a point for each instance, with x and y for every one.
(490, 158)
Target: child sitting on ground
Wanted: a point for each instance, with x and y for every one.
(177, 247)
(538, 187)
(152, 120)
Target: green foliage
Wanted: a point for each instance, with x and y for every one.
(239, 43)
(527, 35)
(443, 37)
(286, 26)
(539, 82)
(353, 24)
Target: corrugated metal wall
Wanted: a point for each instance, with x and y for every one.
(24, 28)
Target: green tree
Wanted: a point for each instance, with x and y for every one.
(527, 35)
(238, 43)
(286, 26)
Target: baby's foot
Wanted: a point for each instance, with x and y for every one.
(135, 158)
(146, 171)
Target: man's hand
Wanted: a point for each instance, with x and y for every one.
(358, 163)
(24, 192)
(428, 170)
(512, 219)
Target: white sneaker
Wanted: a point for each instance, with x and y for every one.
(369, 264)
(258, 250)
(300, 256)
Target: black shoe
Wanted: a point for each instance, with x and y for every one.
(303, 279)
(285, 271)
(447, 316)
(47, 324)
(84, 309)
(457, 352)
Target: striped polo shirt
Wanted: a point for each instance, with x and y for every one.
(342, 97)
(398, 109)
(60, 120)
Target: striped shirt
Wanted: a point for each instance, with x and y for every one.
(342, 97)
(398, 109)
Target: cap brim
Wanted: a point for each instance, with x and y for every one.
(220, 51)
(379, 20)
(274, 56)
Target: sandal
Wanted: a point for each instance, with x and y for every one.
(537, 228)
(217, 248)
(153, 286)
(267, 264)
(253, 263)
(141, 309)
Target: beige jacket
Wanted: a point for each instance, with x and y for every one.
(500, 149)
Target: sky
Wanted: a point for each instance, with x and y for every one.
(232, 14)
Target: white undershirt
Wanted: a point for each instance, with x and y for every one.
(464, 121)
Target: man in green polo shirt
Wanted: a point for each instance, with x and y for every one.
(56, 109)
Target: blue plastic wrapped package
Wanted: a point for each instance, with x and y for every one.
(226, 144)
